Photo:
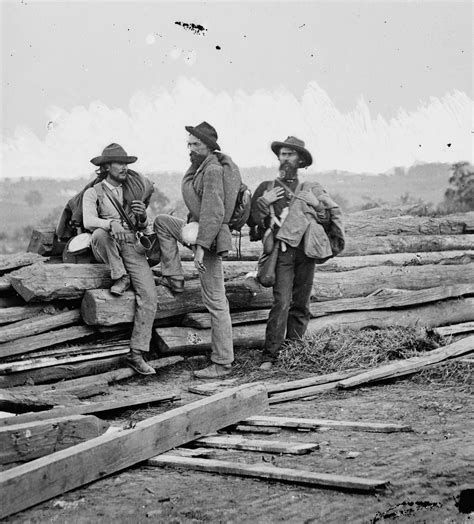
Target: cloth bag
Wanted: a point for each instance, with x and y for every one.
(266, 266)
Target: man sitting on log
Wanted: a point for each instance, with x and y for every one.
(209, 192)
(115, 243)
(307, 229)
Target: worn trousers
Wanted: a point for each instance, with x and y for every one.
(122, 258)
(290, 314)
(168, 231)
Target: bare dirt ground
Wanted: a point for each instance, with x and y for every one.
(426, 468)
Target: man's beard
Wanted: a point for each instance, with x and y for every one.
(287, 171)
(196, 159)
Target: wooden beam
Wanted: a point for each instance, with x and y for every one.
(23, 442)
(23, 345)
(17, 260)
(19, 402)
(188, 340)
(463, 327)
(26, 485)
(261, 471)
(14, 314)
(411, 365)
(263, 446)
(39, 324)
(316, 423)
(314, 380)
(37, 363)
(91, 408)
(296, 394)
(203, 320)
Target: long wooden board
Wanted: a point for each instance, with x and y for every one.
(263, 446)
(411, 365)
(90, 408)
(46, 477)
(316, 423)
(271, 473)
(23, 442)
(463, 327)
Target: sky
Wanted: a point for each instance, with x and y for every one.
(367, 85)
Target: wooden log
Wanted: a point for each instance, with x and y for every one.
(23, 442)
(26, 485)
(181, 339)
(203, 320)
(91, 408)
(445, 331)
(37, 363)
(390, 298)
(316, 423)
(20, 346)
(261, 471)
(99, 307)
(17, 402)
(39, 324)
(17, 260)
(89, 386)
(375, 245)
(411, 365)
(263, 446)
(46, 282)
(14, 314)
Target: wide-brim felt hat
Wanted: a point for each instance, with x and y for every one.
(206, 134)
(296, 144)
(113, 153)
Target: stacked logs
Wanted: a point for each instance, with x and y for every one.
(59, 320)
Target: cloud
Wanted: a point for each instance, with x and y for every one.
(152, 127)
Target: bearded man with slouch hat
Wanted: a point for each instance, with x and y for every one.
(307, 230)
(209, 189)
(114, 242)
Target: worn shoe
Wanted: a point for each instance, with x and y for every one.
(214, 371)
(136, 361)
(176, 284)
(120, 286)
(266, 366)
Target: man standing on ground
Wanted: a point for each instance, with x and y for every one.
(210, 198)
(308, 230)
(113, 242)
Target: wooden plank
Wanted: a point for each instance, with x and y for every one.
(445, 331)
(316, 423)
(26, 485)
(263, 446)
(311, 381)
(17, 260)
(262, 471)
(203, 320)
(39, 324)
(19, 402)
(13, 314)
(296, 394)
(411, 365)
(37, 363)
(23, 345)
(188, 340)
(23, 442)
(91, 408)
(256, 429)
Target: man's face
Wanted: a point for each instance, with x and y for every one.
(198, 150)
(289, 162)
(117, 172)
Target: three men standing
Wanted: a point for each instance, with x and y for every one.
(210, 197)
(309, 230)
(113, 242)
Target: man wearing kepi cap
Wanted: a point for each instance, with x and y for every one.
(307, 230)
(210, 198)
(115, 243)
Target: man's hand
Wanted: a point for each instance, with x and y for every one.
(198, 258)
(272, 195)
(310, 198)
(139, 209)
(117, 231)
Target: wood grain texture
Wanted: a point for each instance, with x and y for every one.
(263, 446)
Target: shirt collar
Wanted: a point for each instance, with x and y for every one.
(110, 186)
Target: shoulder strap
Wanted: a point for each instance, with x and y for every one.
(119, 208)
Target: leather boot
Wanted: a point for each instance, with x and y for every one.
(120, 286)
(136, 361)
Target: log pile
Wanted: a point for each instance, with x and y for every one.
(59, 321)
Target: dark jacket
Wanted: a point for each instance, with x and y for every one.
(210, 193)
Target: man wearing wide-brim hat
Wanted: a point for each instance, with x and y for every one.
(114, 242)
(306, 229)
(209, 190)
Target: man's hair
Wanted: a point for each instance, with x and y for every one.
(102, 172)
